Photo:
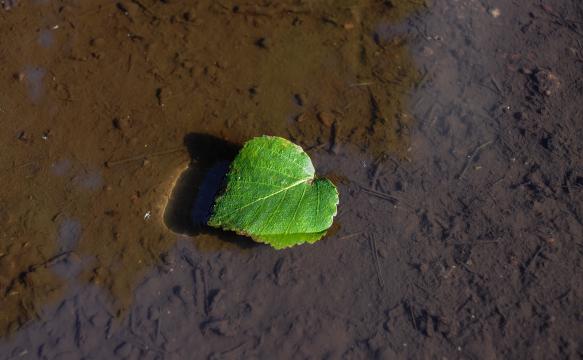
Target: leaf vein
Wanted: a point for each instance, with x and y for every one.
(273, 213)
(263, 198)
(295, 211)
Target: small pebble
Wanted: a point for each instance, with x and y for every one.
(263, 43)
(301, 117)
(23, 136)
(189, 15)
(427, 51)
(326, 118)
(98, 42)
(299, 99)
(19, 76)
(120, 123)
(495, 12)
(163, 94)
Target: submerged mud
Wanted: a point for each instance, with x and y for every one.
(101, 96)
(452, 130)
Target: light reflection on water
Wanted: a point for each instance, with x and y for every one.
(69, 234)
(61, 167)
(34, 78)
(90, 180)
(46, 38)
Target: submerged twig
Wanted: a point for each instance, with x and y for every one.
(254, 10)
(533, 258)
(201, 289)
(349, 236)
(50, 262)
(375, 175)
(375, 256)
(498, 87)
(477, 242)
(158, 325)
(142, 157)
(224, 353)
(316, 147)
(381, 195)
(411, 314)
(334, 134)
(366, 83)
(55, 259)
(78, 335)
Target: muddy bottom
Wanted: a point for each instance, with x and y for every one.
(452, 129)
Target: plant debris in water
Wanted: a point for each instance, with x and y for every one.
(272, 195)
(321, 73)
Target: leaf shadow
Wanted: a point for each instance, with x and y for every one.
(190, 204)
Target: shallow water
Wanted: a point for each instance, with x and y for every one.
(449, 128)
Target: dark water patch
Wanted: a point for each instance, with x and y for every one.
(75, 327)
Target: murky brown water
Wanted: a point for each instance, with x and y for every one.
(447, 127)
(102, 96)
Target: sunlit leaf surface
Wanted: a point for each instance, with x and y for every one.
(272, 195)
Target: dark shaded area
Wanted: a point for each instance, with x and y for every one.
(192, 198)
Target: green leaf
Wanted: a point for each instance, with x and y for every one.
(272, 195)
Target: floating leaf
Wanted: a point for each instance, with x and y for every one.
(272, 195)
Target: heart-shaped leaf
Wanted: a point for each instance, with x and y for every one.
(273, 196)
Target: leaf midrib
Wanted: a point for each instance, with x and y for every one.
(304, 180)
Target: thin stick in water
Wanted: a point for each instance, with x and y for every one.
(142, 157)
(375, 256)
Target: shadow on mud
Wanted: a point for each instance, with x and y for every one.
(190, 204)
